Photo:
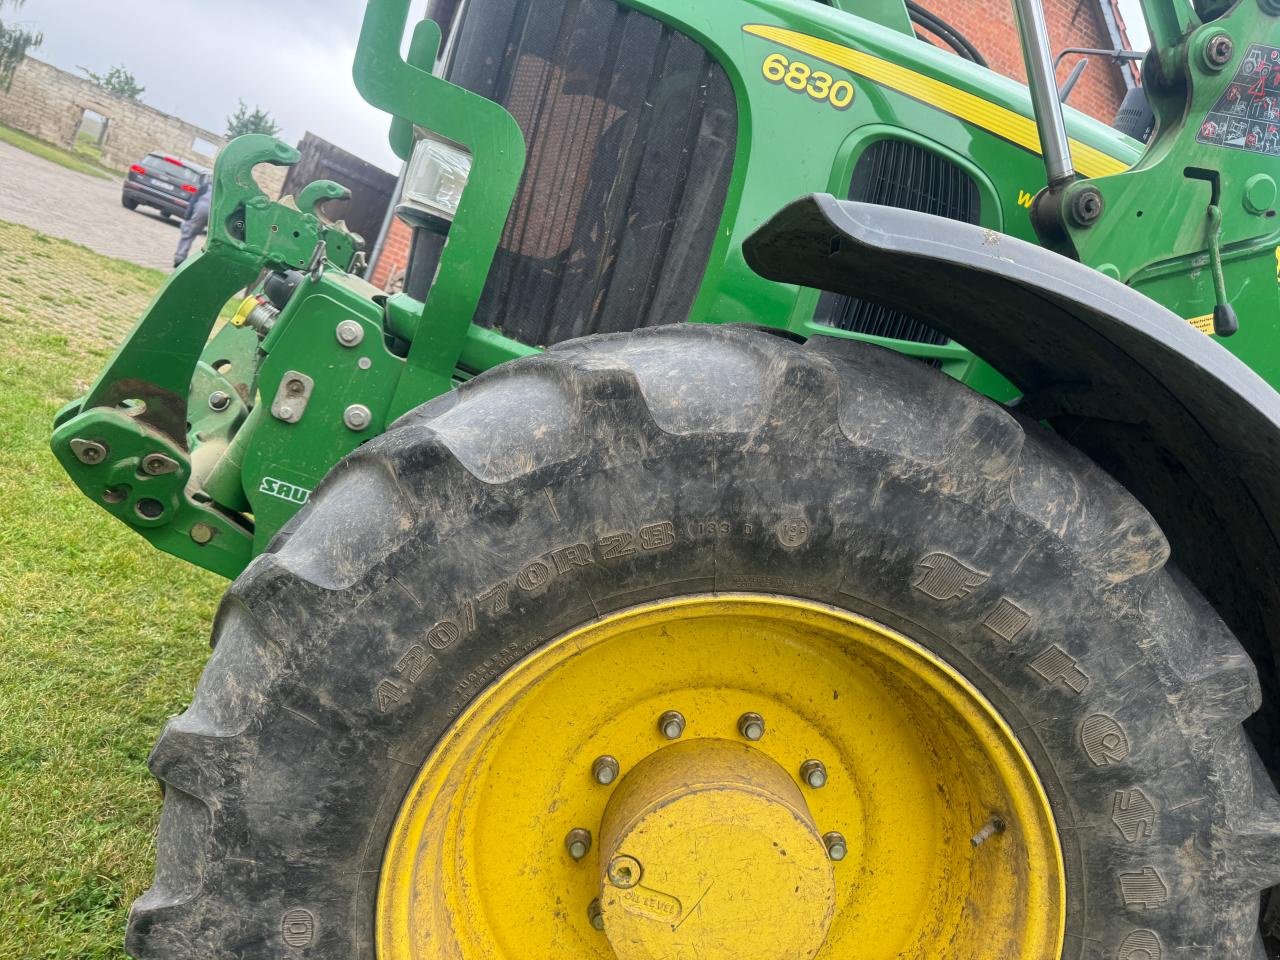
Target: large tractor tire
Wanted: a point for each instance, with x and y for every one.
(699, 643)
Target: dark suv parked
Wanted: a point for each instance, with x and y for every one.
(165, 183)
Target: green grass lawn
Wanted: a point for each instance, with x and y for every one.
(66, 158)
(101, 636)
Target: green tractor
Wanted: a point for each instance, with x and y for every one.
(814, 497)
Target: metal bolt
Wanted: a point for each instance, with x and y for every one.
(836, 847)
(625, 872)
(1218, 50)
(671, 724)
(814, 773)
(357, 417)
(605, 770)
(285, 412)
(989, 829)
(219, 400)
(1085, 206)
(157, 465)
(751, 726)
(578, 842)
(295, 386)
(595, 915)
(89, 451)
(201, 533)
(349, 333)
(364, 363)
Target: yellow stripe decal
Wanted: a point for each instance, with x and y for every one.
(999, 120)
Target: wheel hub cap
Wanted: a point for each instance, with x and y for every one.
(710, 851)
(737, 776)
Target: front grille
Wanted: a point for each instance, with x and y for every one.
(898, 173)
(631, 129)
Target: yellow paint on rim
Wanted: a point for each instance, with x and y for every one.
(918, 762)
(716, 834)
(1003, 122)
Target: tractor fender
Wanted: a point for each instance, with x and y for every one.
(1189, 429)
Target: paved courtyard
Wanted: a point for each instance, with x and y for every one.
(83, 209)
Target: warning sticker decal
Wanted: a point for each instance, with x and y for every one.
(1247, 115)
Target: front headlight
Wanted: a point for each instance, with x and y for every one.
(434, 182)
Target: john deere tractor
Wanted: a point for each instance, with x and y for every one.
(813, 497)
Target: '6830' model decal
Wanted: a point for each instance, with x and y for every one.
(798, 77)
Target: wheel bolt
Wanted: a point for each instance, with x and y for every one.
(751, 726)
(671, 724)
(836, 847)
(605, 770)
(814, 773)
(578, 842)
(595, 915)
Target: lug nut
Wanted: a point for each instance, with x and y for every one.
(814, 773)
(836, 847)
(578, 842)
(671, 724)
(219, 400)
(357, 417)
(605, 770)
(751, 726)
(349, 333)
(595, 915)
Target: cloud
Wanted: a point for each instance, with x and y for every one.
(197, 58)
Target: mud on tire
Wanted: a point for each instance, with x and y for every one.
(690, 460)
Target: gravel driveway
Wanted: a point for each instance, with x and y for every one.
(83, 209)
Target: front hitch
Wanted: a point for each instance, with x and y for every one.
(125, 442)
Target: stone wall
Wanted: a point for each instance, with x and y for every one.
(50, 104)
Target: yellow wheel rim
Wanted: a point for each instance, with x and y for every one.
(713, 844)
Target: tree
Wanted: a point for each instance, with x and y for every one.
(15, 41)
(245, 121)
(117, 80)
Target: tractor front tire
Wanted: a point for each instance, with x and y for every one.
(687, 472)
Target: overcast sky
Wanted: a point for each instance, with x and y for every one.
(292, 57)
(197, 58)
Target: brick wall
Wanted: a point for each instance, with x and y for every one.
(989, 26)
(388, 268)
(49, 103)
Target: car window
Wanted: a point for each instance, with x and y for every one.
(160, 162)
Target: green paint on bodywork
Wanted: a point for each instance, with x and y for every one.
(1156, 228)
(244, 472)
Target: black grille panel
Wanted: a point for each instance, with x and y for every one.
(897, 173)
(631, 129)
